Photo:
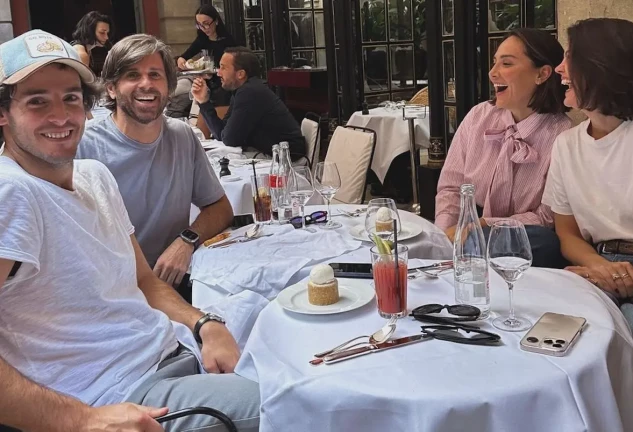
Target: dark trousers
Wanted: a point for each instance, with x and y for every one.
(545, 247)
(184, 289)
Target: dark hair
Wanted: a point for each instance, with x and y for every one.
(601, 65)
(84, 33)
(129, 51)
(244, 59)
(543, 50)
(212, 12)
(90, 92)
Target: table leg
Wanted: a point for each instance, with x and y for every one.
(415, 207)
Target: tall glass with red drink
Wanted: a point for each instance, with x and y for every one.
(391, 285)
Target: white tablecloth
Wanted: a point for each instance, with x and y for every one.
(432, 243)
(392, 135)
(441, 386)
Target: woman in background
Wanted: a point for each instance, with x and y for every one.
(589, 186)
(214, 38)
(503, 146)
(91, 40)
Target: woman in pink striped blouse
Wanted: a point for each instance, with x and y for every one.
(503, 146)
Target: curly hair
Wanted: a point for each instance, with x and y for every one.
(85, 32)
(600, 65)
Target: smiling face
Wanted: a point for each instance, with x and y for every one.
(46, 116)
(102, 32)
(142, 91)
(515, 77)
(570, 95)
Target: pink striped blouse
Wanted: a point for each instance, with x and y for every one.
(507, 162)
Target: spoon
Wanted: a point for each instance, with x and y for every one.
(379, 336)
(250, 234)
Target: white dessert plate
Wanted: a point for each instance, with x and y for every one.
(408, 231)
(353, 293)
(234, 178)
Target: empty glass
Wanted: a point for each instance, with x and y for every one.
(327, 182)
(300, 189)
(510, 254)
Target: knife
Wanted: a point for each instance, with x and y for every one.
(368, 349)
(446, 264)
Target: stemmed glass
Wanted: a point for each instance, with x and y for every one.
(379, 219)
(327, 182)
(510, 254)
(300, 188)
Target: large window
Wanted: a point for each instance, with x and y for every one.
(257, 37)
(307, 33)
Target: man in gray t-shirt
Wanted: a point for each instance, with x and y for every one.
(160, 167)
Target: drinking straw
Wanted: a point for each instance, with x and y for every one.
(255, 179)
(395, 251)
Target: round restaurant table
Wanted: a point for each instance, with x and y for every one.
(441, 386)
(392, 135)
(432, 243)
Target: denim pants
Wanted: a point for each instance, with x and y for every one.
(625, 305)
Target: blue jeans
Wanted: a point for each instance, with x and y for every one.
(545, 246)
(624, 304)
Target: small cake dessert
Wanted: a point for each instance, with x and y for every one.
(322, 286)
(384, 221)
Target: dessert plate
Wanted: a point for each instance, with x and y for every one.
(353, 294)
(408, 231)
(234, 178)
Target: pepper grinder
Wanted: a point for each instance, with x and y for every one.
(365, 108)
(224, 167)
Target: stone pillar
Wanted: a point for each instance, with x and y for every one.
(177, 25)
(570, 11)
(6, 23)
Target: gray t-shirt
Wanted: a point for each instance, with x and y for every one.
(158, 181)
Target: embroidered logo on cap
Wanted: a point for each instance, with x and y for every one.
(41, 45)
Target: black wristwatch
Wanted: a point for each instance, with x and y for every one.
(207, 317)
(191, 237)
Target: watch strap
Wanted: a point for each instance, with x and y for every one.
(203, 320)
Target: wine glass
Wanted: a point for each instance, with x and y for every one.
(327, 182)
(300, 189)
(381, 213)
(510, 254)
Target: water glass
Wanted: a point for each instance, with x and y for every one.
(510, 255)
(381, 212)
(261, 198)
(327, 182)
(391, 287)
(300, 187)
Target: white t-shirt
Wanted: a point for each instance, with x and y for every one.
(591, 180)
(73, 318)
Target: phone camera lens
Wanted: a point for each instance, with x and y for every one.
(548, 341)
(532, 339)
(556, 345)
(560, 341)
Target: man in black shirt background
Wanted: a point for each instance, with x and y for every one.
(256, 118)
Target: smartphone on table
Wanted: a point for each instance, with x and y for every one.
(352, 270)
(553, 334)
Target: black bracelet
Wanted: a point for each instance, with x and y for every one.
(203, 320)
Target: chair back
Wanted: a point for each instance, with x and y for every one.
(352, 149)
(310, 129)
(420, 98)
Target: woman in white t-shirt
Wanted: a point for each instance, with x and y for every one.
(589, 185)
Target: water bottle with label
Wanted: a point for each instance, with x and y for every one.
(469, 256)
(274, 184)
(284, 202)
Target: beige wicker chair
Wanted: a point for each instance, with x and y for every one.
(420, 98)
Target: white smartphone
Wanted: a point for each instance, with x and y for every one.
(553, 334)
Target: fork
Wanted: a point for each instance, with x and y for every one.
(355, 213)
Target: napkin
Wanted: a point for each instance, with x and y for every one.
(265, 265)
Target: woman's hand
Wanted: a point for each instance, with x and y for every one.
(615, 277)
(182, 63)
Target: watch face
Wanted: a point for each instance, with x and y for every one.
(190, 235)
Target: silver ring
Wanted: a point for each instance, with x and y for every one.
(615, 276)
(624, 275)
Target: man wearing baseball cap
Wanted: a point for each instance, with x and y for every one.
(84, 323)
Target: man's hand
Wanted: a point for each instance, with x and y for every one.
(125, 417)
(181, 62)
(615, 277)
(450, 232)
(200, 91)
(173, 264)
(220, 352)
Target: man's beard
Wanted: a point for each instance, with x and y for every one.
(144, 117)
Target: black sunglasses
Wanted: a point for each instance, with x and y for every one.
(453, 333)
(462, 313)
(316, 217)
